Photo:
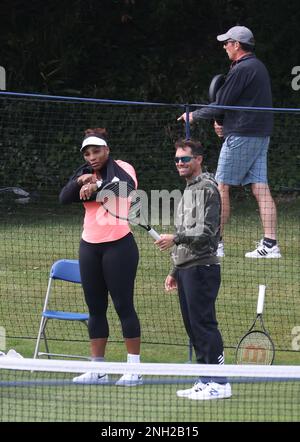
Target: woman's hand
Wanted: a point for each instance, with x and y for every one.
(87, 191)
(86, 178)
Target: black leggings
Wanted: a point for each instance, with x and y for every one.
(110, 267)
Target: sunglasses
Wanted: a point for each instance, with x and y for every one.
(229, 41)
(183, 159)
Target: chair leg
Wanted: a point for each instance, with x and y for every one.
(46, 342)
(40, 333)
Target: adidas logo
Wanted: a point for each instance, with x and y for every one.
(262, 252)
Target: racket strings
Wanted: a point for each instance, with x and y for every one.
(121, 200)
(116, 189)
(134, 211)
(255, 348)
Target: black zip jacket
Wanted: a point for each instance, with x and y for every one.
(247, 84)
(70, 192)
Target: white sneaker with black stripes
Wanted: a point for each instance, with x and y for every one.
(263, 251)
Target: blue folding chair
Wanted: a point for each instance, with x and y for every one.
(64, 270)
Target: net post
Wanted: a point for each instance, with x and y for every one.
(2, 78)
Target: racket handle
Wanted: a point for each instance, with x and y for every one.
(261, 299)
(154, 234)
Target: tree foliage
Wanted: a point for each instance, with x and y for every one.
(159, 50)
(147, 50)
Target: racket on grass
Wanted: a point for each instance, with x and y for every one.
(256, 347)
(124, 202)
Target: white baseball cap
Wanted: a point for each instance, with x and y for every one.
(238, 33)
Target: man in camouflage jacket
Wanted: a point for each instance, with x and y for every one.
(196, 272)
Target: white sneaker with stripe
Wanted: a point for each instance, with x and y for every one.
(198, 386)
(263, 251)
(91, 378)
(212, 390)
(130, 380)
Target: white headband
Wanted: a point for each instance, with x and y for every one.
(93, 141)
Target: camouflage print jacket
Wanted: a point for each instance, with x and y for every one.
(197, 224)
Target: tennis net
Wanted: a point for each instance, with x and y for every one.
(35, 230)
(44, 391)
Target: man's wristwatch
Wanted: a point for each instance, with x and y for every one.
(99, 183)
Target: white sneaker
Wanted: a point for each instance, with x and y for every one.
(130, 380)
(91, 378)
(198, 386)
(263, 251)
(220, 250)
(212, 390)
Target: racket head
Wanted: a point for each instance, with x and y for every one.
(256, 348)
(121, 200)
(124, 202)
(215, 84)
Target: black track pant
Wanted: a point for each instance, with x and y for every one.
(110, 267)
(198, 288)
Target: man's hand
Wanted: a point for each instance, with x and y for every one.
(218, 129)
(165, 242)
(86, 178)
(183, 117)
(170, 283)
(87, 191)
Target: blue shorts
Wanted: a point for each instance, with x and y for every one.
(243, 160)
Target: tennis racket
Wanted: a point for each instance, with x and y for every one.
(16, 190)
(124, 202)
(256, 347)
(24, 196)
(215, 84)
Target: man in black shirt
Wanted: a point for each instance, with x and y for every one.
(243, 157)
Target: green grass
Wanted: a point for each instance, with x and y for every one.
(31, 238)
(57, 399)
